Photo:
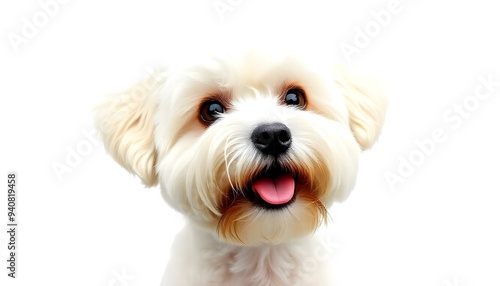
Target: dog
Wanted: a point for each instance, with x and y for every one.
(253, 149)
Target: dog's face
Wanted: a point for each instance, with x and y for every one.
(253, 149)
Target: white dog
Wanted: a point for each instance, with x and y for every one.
(252, 149)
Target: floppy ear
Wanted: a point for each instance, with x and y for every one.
(366, 104)
(126, 126)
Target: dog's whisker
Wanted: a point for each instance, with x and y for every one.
(228, 164)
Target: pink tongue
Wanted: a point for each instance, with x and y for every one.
(277, 190)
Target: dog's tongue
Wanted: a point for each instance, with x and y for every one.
(277, 190)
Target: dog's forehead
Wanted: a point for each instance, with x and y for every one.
(257, 68)
(252, 78)
(240, 74)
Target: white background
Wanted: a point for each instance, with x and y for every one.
(440, 226)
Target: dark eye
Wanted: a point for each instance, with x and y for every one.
(295, 96)
(211, 110)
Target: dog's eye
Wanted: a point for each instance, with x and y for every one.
(211, 110)
(296, 97)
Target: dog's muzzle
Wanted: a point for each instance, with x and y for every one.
(275, 187)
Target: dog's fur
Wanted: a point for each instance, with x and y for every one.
(205, 169)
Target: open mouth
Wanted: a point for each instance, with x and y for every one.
(272, 189)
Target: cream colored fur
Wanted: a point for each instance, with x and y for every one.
(366, 104)
(125, 121)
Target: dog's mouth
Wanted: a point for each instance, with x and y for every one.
(273, 188)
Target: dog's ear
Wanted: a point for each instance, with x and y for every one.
(366, 104)
(126, 125)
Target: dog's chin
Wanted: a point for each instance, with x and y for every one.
(276, 205)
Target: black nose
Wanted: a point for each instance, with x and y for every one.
(272, 139)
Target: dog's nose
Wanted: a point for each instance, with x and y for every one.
(272, 139)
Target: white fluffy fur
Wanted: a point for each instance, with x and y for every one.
(159, 138)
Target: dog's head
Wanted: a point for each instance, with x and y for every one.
(253, 148)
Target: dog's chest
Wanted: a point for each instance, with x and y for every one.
(270, 265)
(198, 259)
